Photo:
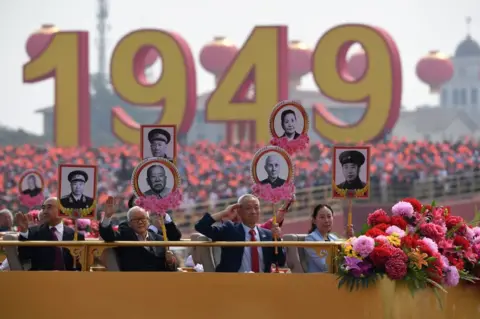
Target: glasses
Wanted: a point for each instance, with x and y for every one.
(139, 220)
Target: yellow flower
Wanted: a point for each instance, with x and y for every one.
(349, 252)
(394, 240)
(417, 258)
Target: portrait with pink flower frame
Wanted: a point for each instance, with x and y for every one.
(140, 180)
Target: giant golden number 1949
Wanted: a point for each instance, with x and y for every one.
(262, 61)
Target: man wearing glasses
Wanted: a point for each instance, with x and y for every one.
(147, 258)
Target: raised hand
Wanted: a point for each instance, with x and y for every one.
(170, 257)
(22, 222)
(276, 231)
(110, 207)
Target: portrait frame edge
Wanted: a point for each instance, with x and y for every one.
(339, 193)
(151, 126)
(84, 212)
(28, 172)
(279, 106)
(141, 166)
(270, 148)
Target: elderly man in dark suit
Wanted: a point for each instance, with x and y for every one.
(242, 259)
(52, 229)
(159, 140)
(351, 162)
(146, 258)
(76, 199)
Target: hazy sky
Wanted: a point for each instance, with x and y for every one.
(417, 26)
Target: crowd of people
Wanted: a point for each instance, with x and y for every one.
(211, 172)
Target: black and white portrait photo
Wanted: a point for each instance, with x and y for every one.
(31, 183)
(155, 177)
(351, 167)
(289, 119)
(78, 186)
(159, 141)
(271, 165)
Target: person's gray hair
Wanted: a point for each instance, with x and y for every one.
(6, 212)
(245, 197)
(133, 210)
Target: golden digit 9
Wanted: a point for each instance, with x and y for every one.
(263, 61)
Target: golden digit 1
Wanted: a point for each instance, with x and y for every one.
(380, 87)
(66, 59)
(263, 62)
(175, 90)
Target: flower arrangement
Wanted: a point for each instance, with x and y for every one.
(424, 246)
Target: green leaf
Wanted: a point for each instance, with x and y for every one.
(434, 204)
(364, 229)
(352, 284)
(342, 282)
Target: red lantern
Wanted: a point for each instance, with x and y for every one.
(40, 40)
(216, 56)
(357, 65)
(299, 59)
(435, 69)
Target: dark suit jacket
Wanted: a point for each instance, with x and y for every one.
(136, 258)
(295, 136)
(42, 258)
(32, 192)
(173, 233)
(69, 201)
(355, 184)
(277, 183)
(231, 259)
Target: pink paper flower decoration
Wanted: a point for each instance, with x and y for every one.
(28, 201)
(274, 195)
(159, 206)
(292, 146)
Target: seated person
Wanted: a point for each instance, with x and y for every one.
(322, 222)
(242, 259)
(146, 258)
(173, 233)
(52, 229)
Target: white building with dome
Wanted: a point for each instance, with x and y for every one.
(458, 114)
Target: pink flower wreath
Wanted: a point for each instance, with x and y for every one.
(292, 146)
(159, 206)
(274, 195)
(28, 201)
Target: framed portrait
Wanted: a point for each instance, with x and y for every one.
(288, 119)
(77, 190)
(351, 172)
(31, 183)
(155, 177)
(272, 165)
(159, 141)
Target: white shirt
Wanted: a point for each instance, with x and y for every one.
(5, 266)
(247, 256)
(58, 231)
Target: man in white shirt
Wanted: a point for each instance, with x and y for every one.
(239, 259)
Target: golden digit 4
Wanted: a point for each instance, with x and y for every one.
(263, 60)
